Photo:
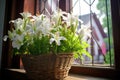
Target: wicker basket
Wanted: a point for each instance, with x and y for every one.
(47, 67)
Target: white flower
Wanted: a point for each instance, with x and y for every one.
(16, 44)
(17, 41)
(5, 38)
(17, 23)
(71, 19)
(57, 15)
(57, 38)
(20, 37)
(42, 24)
(12, 34)
(29, 29)
(29, 33)
(46, 26)
(25, 15)
(84, 32)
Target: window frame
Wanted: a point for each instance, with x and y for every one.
(20, 5)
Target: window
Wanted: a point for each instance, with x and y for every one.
(95, 14)
(25, 5)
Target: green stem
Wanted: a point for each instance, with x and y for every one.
(56, 49)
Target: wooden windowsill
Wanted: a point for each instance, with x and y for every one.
(20, 74)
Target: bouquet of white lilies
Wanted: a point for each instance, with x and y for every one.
(41, 34)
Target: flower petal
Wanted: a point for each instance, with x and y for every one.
(5, 38)
(52, 40)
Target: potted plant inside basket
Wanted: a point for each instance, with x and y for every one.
(48, 43)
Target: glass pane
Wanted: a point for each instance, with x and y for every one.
(97, 15)
(47, 7)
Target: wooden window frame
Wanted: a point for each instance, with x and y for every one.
(20, 5)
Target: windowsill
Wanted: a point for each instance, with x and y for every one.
(94, 66)
(19, 74)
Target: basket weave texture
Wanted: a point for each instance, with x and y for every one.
(47, 67)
